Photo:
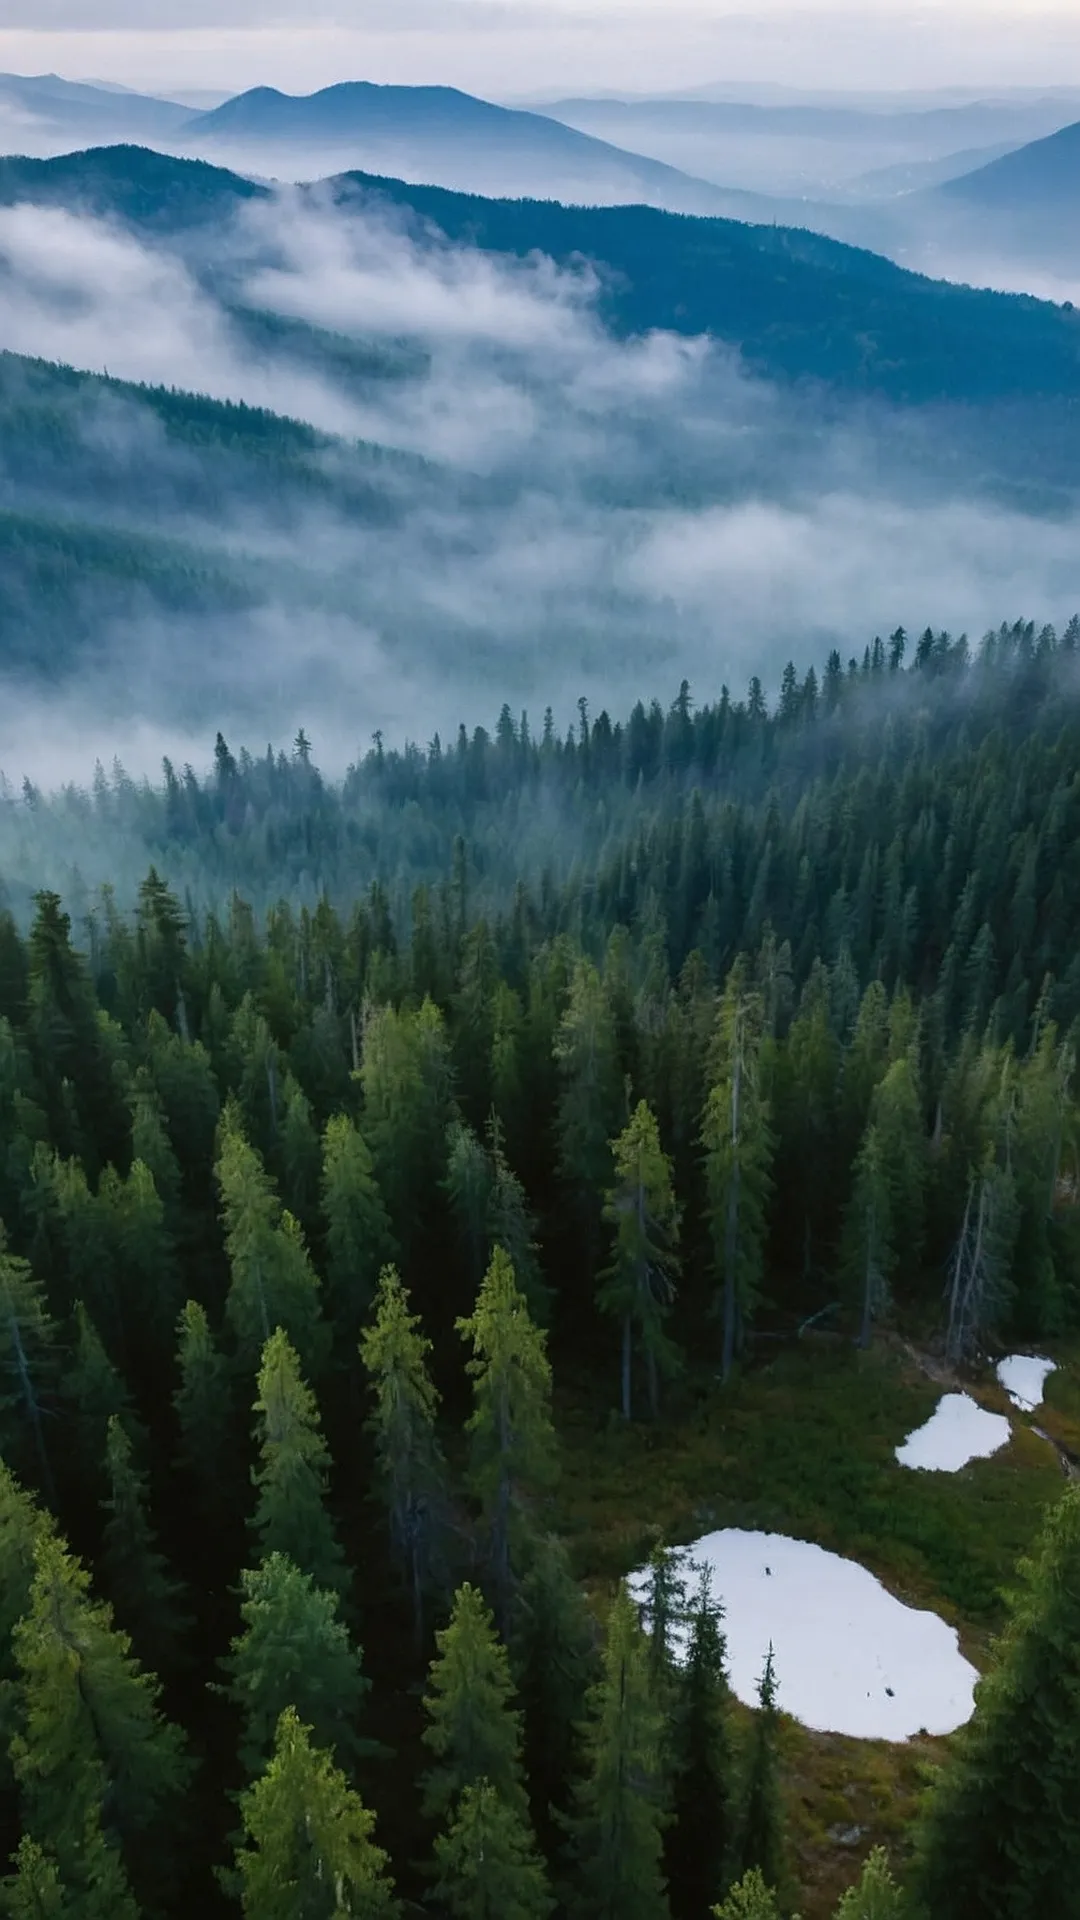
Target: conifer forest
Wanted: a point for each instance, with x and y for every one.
(422, 1191)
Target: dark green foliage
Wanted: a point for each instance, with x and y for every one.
(554, 1653)
(701, 1837)
(291, 1516)
(474, 1731)
(309, 1851)
(294, 1651)
(1000, 1838)
(618, 1827)
(762, 1827)
(487, 1865)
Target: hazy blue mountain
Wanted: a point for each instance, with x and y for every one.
(806, 148)
(1040, 178)
(441, 135)
(42, 113)
(797, 304)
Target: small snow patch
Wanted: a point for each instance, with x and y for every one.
(957, 1431)
(1023, 1376)
(850, 1658)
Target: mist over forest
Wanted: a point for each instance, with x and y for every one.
(539, 1000)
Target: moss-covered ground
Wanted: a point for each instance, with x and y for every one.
(803, 1444)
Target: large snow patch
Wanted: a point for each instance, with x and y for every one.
(1023, 1376)
(957, 1431)
(850, 1658)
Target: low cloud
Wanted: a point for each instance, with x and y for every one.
(601, 518)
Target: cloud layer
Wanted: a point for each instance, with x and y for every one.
(603, 519)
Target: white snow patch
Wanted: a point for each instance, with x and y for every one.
(850, 1658)
(957, 1431)
(1023, 1376)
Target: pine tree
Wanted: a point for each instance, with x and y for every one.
(869, 1251)
(27, 1367)
(97, 1890)
(410, 1464)
(473, 1731)
(291, 1516)
(203, 1407)
(738, 1156)
(300, 1154)
(639, 1288)
(762, 1840)
(1000, 1837)
(91, 1732)
(310, 1852)
(750, 1899)
(512, 1442)
(22, 1524)
(592, 1100)
(553, 1650)
(273, 1282)
(877, 1896)
(486, 1862)
(359, 1242)
(619, 1822)
(95, 1394)
(294, 1651)
(144, 1596)
(701, 1836)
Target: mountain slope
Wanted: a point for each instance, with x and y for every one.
(42, 112)
(442, 135)
(1040, 178)
(798, 305)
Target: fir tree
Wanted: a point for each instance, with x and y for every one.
(639, 1288)
(738, 1157)
(473, 1731)
(512, 1443)
(554, 1654)
(701, 1836)
(291, 1515)
(91, 1732)
(619, 1822)
(762, 1836)
(310, 1852)
(203, 1407)
(294, 1651)
(1000, 1837)
(27, 1366)
(358, 1238)
(96, 1890)
(134, 1572)
(273, 1282)
(410, 1464)
(487, 1865)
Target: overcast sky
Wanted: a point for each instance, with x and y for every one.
(513, 48)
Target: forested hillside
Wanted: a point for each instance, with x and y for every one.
(394, 1134)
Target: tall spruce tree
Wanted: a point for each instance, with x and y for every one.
(473, 1729)
(639, 1287)
(511, 1437)
(411, 1471)
(27, 1368)
(91, 1734)
(273, 1283)
(762, 1832)
(309, 1851)
(203, 1404)
(618, 1827)
(291, 1515)
(359, 1242)
(486, 1863)
(738, 1146)
(294, 1651)
(700, 1839)
(749, 1899)
(134, 1572)
(1000, 1837)
(553, 1650)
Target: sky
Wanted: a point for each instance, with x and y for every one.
(512, 49)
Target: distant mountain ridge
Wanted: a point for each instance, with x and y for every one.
(1043, 175)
